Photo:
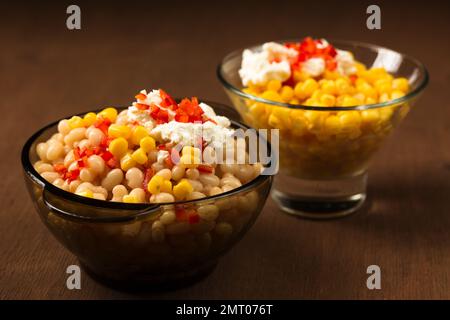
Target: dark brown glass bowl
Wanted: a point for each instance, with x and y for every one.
(115, 242)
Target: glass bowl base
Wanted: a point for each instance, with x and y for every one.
(151, 283)
(320, 199)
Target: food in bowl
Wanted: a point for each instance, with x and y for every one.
(334, 103)
(162, 221)
(330, 144)
(132, 157)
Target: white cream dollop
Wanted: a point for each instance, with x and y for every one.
(271, 63)
(314, 66)
(345, 62)
(214, 133)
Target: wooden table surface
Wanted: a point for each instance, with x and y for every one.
(48, 72)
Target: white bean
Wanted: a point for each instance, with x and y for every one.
(197, 185)
(69, 158)
(168, 217)
(95, 136)
(208, 212)
(158, 234)
(177, 173)
(139, 193)
(113, 178)
(209, 179)
(50, 176)
(134, 177)
(96, 164)
(86, 175)
(118, 192)
(43, 167)
(63, 127)
(165, 173)
(192, 174)
(41, 150)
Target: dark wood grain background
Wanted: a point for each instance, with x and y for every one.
(48, 72)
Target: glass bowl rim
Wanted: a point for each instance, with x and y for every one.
(29, 170)
(338, 42)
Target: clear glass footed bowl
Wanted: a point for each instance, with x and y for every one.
(121, 245)
(323, 170)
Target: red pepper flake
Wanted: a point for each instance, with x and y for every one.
(193, 218)
(103, 124)
(106, 156)
(142, 106)
(353, 78)
(309, 48)
(167, 100)
(60, 168)
(140, 96)
(205, 168)
(149, 173)
(112, 163)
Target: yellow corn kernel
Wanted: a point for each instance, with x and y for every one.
(281, 112)
(317, 94)
(350, 119)
(294, 101)
(314, 118)
(155, 184)
(374, 74)
(158, 184)
(327, 100)
(118, 147)
(275, 122)
(140, 156)
(75, 122)
(370, 116)
(287, 93)
(397, 94)
(307, 88)
(189, 161)
(383, 98)
(89, 119)
(166, 186)
(370, 100)
(383, 85)
(86, 193)
(148, 144)
(401, 84)
(116, 131)
(329, 87)
(342, 86)
(271, 95)
(139, 132)
(127, 162)
(254, 87)
(367, 90)
(332, 124)
(257, 109)
(274, 85)
(360, 67)
(182, 189)
(349, 101)
(311, 102)
(109, 113)
(300, 76)
(191, 151)
(331, 75)
(129, 199)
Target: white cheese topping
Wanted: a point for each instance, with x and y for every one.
(190, 133)
(161, 156)
(314, 67)
(345, 63)
(272, 63)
